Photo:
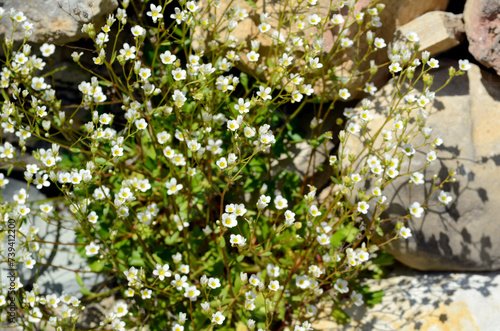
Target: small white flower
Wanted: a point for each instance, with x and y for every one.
(405, 232)
(445, 197)
(363, 207)
(464, 65)
(416, 210)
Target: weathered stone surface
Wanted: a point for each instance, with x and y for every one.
(51, 20)
(438, 31)
(395, 14)
(465, 234)
(50, 278)
(482, 27)
(421, 301)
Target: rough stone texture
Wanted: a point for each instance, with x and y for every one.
(438, 31)
(465, 234)
(52, 21)
(395, 14)
(482, 27)
(52, 279)
(427, 301)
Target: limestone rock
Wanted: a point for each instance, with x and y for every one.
(52, 279)
(60, 20)
(465, 234)
(426, 301)
(482, 27)
(438, 31)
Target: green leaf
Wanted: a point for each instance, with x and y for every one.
(85, 291)
(251, 4)
(79, 280)
(244, 80)
(172, 240)
(240, 258)
(150, 164)
(96, 266)
(136, 259)
(266, 254)
(113, 57)
(10, 170)
(340, 316)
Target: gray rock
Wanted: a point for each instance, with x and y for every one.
(57, 20)
(50, 278)
(427, 301)
(465, 234)
(482, 27)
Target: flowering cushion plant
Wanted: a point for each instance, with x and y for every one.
(166, 173)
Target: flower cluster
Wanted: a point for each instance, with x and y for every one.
(168, 166)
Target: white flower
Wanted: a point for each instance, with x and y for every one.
(138, 31)
(394, 67)
(173, 187)
(92, 249)
(179, 74)
(379, 43)
(141, 124)
(128, 52)
(167, 58)
(192, 6)
(433, 63)
(346, 42)
(417, 178)
(302, 282)
(162, 271)
(337, 19)
(236, 239)
(155, 13)
(264, 27)
(253, 56)
(254, 280)
(192, 293)
(264, 93)
(323, 239)
(92, 218)
(404, 232)
(229, 220)
(280, 202)
(412, 36)
(313, 210)
(357, 298)
(445, 197)
(363, 207)
(218, 318)
(464, 65)
(416, 210)
(314, 19)
(144, 73)
(353, 128)
(222, 163)
(274, 285)
(344, 93)
(341, 286)
(47, 49)
(408, 149)
(233, 125)
(314, 63)
(213, 283)
(431, 156)
(363, 256)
